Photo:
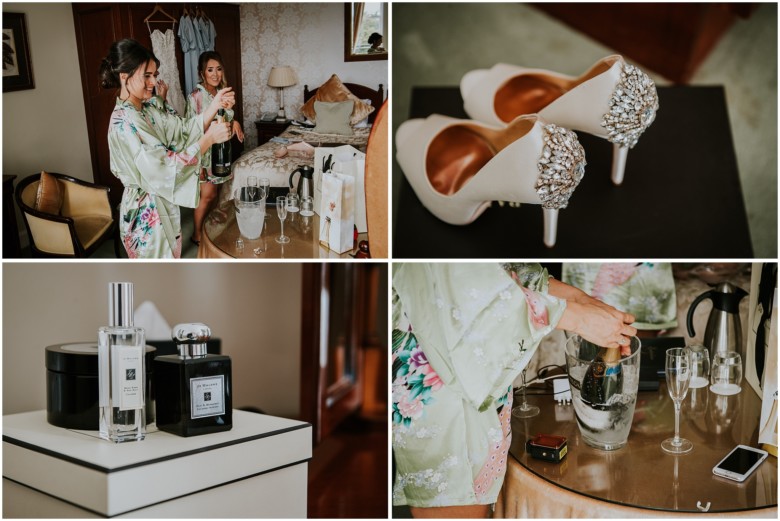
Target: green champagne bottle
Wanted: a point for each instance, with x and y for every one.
(603, 379)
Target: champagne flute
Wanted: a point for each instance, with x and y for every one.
(281, 211)
(678, 378)
(252, 186)
(525, 410)
(265, 186)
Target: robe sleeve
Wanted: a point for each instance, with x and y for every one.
(168, 168)
(477, 326)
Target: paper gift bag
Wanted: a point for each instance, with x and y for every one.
(348, 160)
(337, 211)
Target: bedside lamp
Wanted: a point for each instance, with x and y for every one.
(282, 77)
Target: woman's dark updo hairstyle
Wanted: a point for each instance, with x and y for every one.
(375, 37)
(124, 56)
(204, 59)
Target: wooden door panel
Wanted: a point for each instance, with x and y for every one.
(97, 27)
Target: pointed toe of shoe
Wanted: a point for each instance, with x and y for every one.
(469, 80)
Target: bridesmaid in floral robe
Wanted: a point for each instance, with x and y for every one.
(212, 78)
(154, 153)
(461, 334)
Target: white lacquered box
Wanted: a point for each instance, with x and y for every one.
(257, 469)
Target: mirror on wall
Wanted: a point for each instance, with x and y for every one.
(365, 30)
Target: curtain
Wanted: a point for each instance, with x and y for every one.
(357, 18)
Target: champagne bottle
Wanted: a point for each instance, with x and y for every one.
(220, 152)
(603, 379)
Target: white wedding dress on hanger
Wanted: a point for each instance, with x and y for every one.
(164, 47)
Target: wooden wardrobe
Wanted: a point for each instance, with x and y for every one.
(99, 25)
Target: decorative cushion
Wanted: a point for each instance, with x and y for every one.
(334, 90)
(333, 118)
(49, 196)
(363, 123)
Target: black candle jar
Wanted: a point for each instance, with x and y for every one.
(72, 385)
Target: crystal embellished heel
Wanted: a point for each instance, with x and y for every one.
(612, 100)
(457, 167)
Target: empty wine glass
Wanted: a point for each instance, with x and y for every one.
(524, 410)
(281, 211)
(293, 204)
(678, 378)
(726, 376)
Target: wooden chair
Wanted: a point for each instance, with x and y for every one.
(84, 222)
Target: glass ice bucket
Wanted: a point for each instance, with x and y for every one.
(604, 425)
(250, 211)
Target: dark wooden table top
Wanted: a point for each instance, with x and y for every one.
(681, 197)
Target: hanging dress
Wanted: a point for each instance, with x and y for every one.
(156, 156)
(461, 334)
(164, 47)
(189, 46)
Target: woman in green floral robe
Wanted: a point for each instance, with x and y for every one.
(154, 153)
(212, 78)
(462, 333)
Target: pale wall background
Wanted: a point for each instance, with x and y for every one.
(45, 128)
(254, 308)
(309, 37)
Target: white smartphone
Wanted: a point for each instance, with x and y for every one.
(739, 463)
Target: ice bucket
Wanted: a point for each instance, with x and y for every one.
(250, 211)
(604, 425)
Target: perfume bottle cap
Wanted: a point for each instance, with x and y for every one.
(120, 304)
(191, 339)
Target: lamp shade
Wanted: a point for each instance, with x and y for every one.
(282, 77)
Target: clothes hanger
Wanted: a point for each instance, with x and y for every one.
(158, 9)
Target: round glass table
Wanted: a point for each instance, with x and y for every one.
(220, 233)
(593, 483)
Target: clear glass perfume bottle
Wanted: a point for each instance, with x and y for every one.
(193, 388)
(122, 369)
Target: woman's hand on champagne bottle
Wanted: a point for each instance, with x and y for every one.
(601, 324)
(219, 132)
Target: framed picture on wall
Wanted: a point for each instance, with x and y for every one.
(17, 67)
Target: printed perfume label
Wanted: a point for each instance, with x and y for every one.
(128, 377)
(208, 396)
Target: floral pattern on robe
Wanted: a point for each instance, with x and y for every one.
(156, 156)
(199, 100)
(462, 333)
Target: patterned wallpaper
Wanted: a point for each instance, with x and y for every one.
(309, 38)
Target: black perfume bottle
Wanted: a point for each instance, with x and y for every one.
(193, 388)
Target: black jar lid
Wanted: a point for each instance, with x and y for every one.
(81, 358)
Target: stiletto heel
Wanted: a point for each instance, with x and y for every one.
(613, 100)
(550, 226)
(457, 167)
(619, 155)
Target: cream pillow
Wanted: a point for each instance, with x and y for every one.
(333, 118)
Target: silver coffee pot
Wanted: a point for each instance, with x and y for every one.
(305, 181)
(724, 328)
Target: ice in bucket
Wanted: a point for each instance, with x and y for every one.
(605, 425)
(250, 211)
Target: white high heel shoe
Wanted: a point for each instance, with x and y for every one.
(457, 167)
(613, 100)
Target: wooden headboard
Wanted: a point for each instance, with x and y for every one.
(377, 97)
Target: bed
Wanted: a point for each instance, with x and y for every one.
(262, 162)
